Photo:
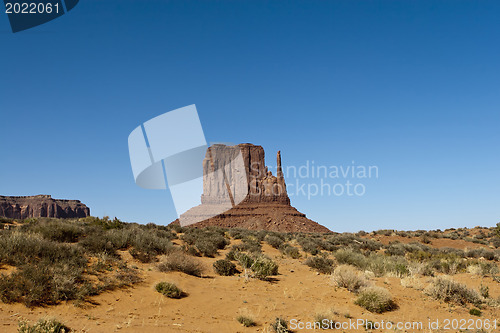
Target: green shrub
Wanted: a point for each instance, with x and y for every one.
(224, 267)
(450, 291)
(349, 257)
(375, 299)
(105, 223)
(43, 326)
(381, 265)
(475, 312)
(58, 231)
(274, 241)
(206, 247)
(320, 264)
(290, 251)
(18, 248)
(309, 245)
(345, 276)
(180, 262)
(280, 325)
(244, 259)
(168, 289)
(263, 267)
(246, 321)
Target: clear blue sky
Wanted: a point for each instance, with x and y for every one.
(412, 87)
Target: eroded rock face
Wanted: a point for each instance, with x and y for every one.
(41, 206)
(239, 191)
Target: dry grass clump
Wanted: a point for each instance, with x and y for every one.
(375, 299)
(450, 291)
(346, 276)
(181, 262)
(43, 326)
(280, 325)
(411, 281)
(246, 321)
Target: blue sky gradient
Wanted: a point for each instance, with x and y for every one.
(412, 87)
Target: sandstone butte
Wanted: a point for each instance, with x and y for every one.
(41, 206)
(266, 205)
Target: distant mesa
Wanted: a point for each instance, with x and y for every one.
(265, 205)
(41, 206)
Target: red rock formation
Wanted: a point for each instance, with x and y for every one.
(265, 203)
(41, 206)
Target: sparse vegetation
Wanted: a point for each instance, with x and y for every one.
(320, 264)
(169, 289)
(475, 312)
(224, 267)
(375, 299)
(43, 326)
(348, 277)
(280, 325)
(246, 321)
(181, 262)
(451, 291)
(263, 267)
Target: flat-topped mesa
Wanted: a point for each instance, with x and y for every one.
(23, 207)
(239, 191)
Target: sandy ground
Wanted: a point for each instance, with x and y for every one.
(213, 302)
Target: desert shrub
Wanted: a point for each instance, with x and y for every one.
(18, 248)
(384, 232)
(192, 251)
(143, 257)
(480, 252)
(323, 321)
(244, 259)
(482, 268)
(59, 231)
(250, 244)
(426, 239)
(475, 312)
(263, 267)
(280, 325)
(105, 223)
(382, 264)
(320, 264)
(274, 241)
(168, 289)
(36, 285)
(450, 291)
(246, 321)
(495, 241)
(43, 326)
(206, 247)
(97, 243)
(153, 242)
(309, 245)
(290, 251)
(207, 240)
(181, 262)
(224, 267)
(375, 299)
(484, 291)
(349, 257)
(345, 276)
